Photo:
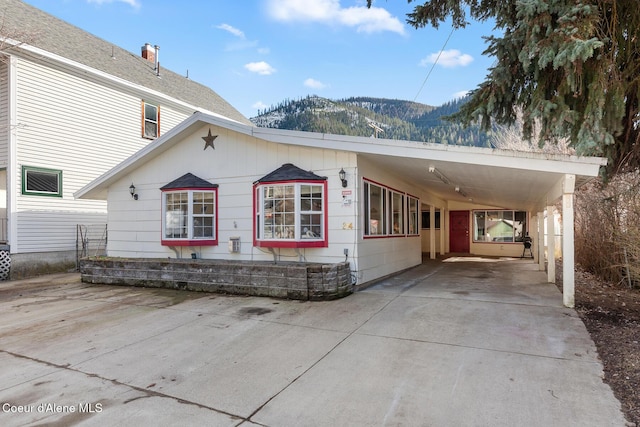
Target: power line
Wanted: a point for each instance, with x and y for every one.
(434, 64)
(430, 70)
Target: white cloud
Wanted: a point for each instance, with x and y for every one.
(460, 94)
(233, 30)
(132, 3)
(367, 20)
(448, 59)
(259, 105)
(314, 84)
(240, 45)
(261, 68)
(264, 50)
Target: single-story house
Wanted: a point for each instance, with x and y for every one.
(212, 188)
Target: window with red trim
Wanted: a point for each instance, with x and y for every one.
(189, 217)
(291, 214)
(389, 212)
(413, 212)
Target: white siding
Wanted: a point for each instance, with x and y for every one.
(77, 126)
(379, 257)
(4, 113)
(237, 161)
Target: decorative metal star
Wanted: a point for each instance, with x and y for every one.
(209, 140)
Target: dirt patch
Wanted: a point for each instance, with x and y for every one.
(611, 313)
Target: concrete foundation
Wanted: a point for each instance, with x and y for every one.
(34, 264)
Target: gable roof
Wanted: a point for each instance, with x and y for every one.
(188, 180)
(52, 35)
(290, 172)
(491, 177)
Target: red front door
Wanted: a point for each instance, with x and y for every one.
(459, 231)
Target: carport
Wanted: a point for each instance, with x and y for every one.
(460, 177)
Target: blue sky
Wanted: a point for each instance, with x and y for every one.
(257, 53)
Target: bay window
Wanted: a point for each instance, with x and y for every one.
(189, 213)
(291, 214)
(290, 209)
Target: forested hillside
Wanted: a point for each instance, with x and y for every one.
(362, 116)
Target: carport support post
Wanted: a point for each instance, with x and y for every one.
(568, 249)
(432, 232)
(534, 236)
(443, 216)
(540, 246)
(551, 246)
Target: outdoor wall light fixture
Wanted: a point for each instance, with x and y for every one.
(132, 191)
(342, 174)
(439, 174)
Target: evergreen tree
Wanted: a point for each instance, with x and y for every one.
(402, 120)
(571, 66)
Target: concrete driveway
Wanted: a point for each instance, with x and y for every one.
(466, 342)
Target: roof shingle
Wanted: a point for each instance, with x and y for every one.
(188, 180)
(290, 172)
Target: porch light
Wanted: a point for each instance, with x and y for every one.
(342, 174)
(132, 191)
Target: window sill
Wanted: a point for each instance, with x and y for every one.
(290, 244)
(482, 242)
(178, 242)
(389, 236)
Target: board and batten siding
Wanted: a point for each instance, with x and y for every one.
(80, 127)
(135, 226)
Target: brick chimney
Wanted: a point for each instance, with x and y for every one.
(149, 53)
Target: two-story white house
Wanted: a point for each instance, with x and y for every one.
(73, 106)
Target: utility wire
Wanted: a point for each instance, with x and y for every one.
(432, 67)
(434, 64)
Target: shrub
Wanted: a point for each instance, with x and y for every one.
(607, 228)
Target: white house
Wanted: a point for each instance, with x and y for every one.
(213, 188)
(72, 106)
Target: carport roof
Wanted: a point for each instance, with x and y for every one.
(498, 178)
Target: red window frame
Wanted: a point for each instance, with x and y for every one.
(280, 243)
(387, 215)
(190, 242)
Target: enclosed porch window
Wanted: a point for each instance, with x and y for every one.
(499, 226)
